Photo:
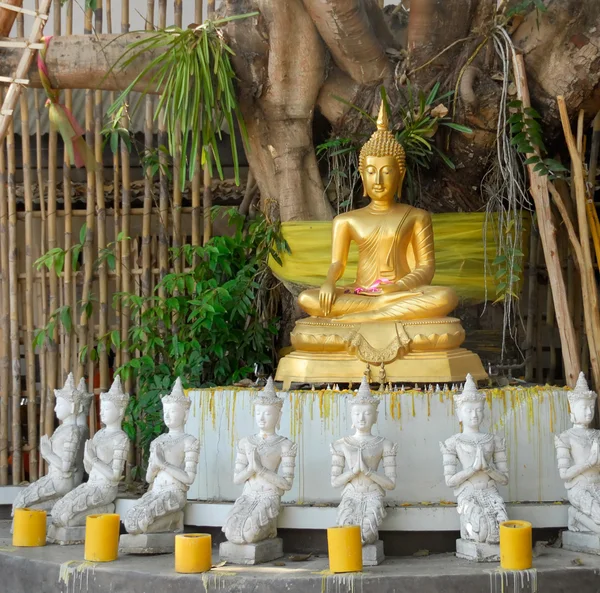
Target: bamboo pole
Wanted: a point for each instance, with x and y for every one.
(52, 349)
(539, 193)
(163, 241)
(198, 172)
(125, 222)
(86, 313)
(148, 181)
(67, 333)
(4, 321)
(14, 90)
(115, 211)
(15, 345)
(101, 223)
(589, 288)
(177, 159)
(207, 196)
(592, 169)
(29, 241)
(42, 285)
(531, 304)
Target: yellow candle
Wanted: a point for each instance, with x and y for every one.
(102, 538)
(193, 552)
(29, 528)
(345, 549)
(515, 545)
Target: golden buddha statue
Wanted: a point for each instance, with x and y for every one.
(390, 316)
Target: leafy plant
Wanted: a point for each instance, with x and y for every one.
(526, 136)
(208, 325)
(194, 73)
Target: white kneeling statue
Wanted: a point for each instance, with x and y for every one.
(171, 471)
(104, 460)
(61, 452)
(484, 466)
(253, 517)
(578, 456)
(354, 463)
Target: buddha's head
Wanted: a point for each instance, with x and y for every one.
(582, 401)
(176, 407)
(382, 163)
(268, 408)
(113, 403)
(470, 406)
(363, 408)
(68, 400)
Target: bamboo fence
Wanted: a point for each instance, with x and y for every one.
(43, 211)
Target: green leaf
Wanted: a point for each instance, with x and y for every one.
(458, 127)
(82, 233)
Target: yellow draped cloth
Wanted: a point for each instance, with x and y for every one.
(460, 254)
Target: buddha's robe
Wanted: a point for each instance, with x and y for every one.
(396, 251)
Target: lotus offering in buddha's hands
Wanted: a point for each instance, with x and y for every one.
(391, 314)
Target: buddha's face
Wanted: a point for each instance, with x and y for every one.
(381, 178)
(267, 417)
(471, 414)
(582, 411)
(109, 413)
(364, 416)
(174, 415)
(63, 408)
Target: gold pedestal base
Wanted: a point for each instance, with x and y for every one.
(418, 367)
(420, 351)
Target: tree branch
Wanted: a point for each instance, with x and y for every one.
(341, 23)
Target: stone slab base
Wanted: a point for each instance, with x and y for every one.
(66, 536)
(477, 552)
(147, 543)
(445, 366)
(581, 541)
(372, 554)
(249, 554)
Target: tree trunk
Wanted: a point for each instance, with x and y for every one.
(342, 44)
(8, 17)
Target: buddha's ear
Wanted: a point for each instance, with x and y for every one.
(362, 178)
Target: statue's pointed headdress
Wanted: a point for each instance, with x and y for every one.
(116, 395)
(86, 396)
(582, 391)
(69, 392)
(383, 143)
(268, 396)
(470, 393)
(177, 395)
(364, 395)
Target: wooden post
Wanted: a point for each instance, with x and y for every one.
(588, 281)
(539, 193)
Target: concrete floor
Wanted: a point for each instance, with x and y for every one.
(56, 569)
